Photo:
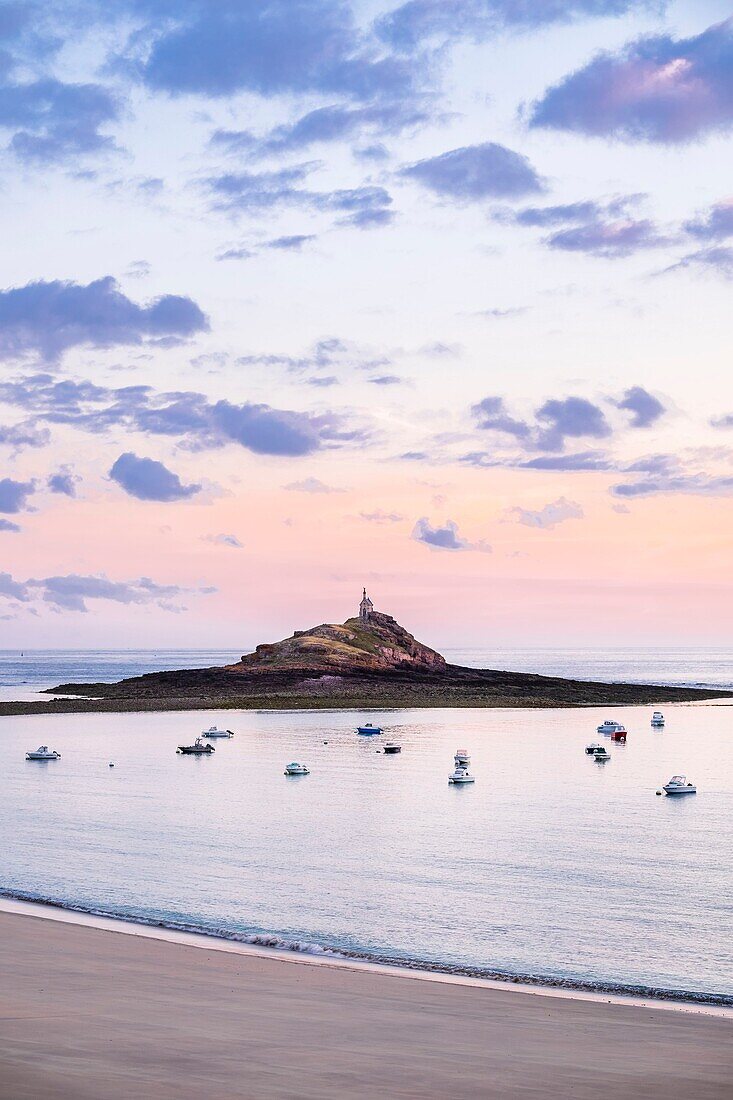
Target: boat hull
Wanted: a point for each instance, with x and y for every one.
(674, 792)
(368, 731)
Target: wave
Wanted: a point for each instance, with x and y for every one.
(276, 942)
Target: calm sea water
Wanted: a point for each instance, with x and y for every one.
(550, 866)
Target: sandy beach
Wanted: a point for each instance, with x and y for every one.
(88, 1012)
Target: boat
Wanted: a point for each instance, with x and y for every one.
(212, 731)
(593, 748)
(392, 747)
(600, 752)
(658, 719)
(460, 774)
(678, 785)
(616, 729)
(43, 753)
(296, 769)
(197, 749)
(368, 728)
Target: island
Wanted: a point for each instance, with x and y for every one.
(368, 662)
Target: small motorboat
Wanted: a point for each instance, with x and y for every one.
(678, 785)
(392, 747)
(593, 748)
(600, 753)
(658, 719)
(212, 731)
(296, 769)
(460, 774)
(197, 749)
(368, 728)
(615, 729)
(43, 753)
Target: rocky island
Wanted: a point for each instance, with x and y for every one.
(369, 662)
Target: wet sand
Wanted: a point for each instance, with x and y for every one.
(88, 1013)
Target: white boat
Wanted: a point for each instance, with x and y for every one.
(658, 719)
(43, 753)
(296, 769)
(678, 785)
(594, 748)
(609, 726)
(460, 773)
(212, 731)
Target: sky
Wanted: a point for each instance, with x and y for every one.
(304, 295)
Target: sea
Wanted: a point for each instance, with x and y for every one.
(551, 869)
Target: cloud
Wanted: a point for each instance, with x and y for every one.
(445, 537)
(717, 260)
(27, 434)
(385, 380)
(583, 460)
(310, 46)
(63, 482)
(6, 525)
(569, 418)
(14, 494)
(55, 122)
(417, 20)
(715, 225)
(695, 484)
(293, 243)
(225, 540)
(474, 173)
(381, 517)
(362, 207)
(335, 122)
(657, 89)
(492, 416)
(188, 416)
(557, 512)
(311, 485)
(47, 318)
(147, 479)
(644, 407)
(71, 591)
(608, 239)
(495, 314)
(12, 589)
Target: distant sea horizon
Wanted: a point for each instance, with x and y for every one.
(26, 672)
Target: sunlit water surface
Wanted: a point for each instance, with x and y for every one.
(550, 865)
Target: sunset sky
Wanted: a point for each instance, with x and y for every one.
(303, 295)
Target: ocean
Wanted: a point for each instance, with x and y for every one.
(550, 868)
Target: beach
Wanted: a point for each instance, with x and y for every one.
(88, 1012)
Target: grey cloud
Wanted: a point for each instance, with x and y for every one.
(446, 537)
(225, 540)
(23, 435)
(381, 517)
(644, 407)
(475, 173)
(14, 495)
(147, 479)
(717, 260)
(47, 318)
(64, 482)
(551, 515)
(189, 416)
(6, 525)
(716, 225)
(311, 485)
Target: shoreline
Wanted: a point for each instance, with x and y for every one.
(85, 1011)
(296, 704)
(311, 954)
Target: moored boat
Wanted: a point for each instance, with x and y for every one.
(615, 729)
(601, 754)
(212, 732)
(392, 747)
(593, 748)
(296, 769)
(678, 785)
(368, 728)
(460, 774)
(197, 749)
(658, 719)
(43, 753)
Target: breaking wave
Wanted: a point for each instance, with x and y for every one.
(306, 947)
